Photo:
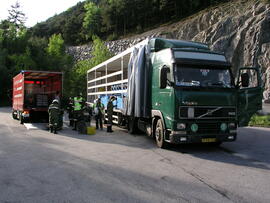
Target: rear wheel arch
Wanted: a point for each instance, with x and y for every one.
(156, 114)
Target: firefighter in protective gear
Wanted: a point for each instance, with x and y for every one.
(78, 105)
(110, 114)
(70, 109)
(99, 111)
(54, 113)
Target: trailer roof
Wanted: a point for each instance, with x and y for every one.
(156, 44)
(115, 62)
(32, 74)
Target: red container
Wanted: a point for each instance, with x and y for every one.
(33, 92)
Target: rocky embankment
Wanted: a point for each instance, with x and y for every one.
(240, 29)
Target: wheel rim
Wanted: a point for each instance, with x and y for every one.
(158, 134)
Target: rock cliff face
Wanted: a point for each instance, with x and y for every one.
(240, 29)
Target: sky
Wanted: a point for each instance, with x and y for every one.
(37, 10)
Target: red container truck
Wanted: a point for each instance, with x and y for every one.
(33, 92)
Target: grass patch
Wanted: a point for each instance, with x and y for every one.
(260, 121)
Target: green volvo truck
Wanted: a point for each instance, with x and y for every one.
(177, 92)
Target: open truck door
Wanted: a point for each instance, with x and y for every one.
(249, 94)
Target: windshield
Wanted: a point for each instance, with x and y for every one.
(203, 77)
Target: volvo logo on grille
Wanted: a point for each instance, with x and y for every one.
(209, 112)
(189, 103)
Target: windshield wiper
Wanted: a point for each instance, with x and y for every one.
(189, 83)
(219, 83)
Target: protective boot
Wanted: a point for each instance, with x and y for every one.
(75, 125)
(109, 129)
(70, 122)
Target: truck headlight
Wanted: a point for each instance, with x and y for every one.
(223, 126)
(194, 127)
(232, 125)
(181, 126)
(231, 113)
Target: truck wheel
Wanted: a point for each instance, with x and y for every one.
(132, 125)
(160, 134)
(14, 116)
(21, 119)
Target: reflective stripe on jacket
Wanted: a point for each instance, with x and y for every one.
(77, 103)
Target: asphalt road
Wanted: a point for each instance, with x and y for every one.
(36, 166)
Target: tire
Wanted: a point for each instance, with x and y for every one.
(81, 126)
(21, 119)
(160, 135)
(132, 125)
(14, 116)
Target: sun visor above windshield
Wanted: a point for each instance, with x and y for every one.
(199, 56)
(157, 44)
(188, 57)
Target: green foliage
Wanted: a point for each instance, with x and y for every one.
(38, 48)
(260, 121)
(13, 44)
(92, 19)
(78, 73)
(22, 61)
(68, 23)
(100, 52)
(20, 51)
(56, 46)
(77, 77)
(110, 19)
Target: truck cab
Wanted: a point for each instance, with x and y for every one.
(195, 97)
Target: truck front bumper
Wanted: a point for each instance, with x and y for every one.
(177, 137)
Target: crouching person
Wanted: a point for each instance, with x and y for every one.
(54, 113)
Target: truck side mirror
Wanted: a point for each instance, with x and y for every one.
(163, 77)
(244, 80)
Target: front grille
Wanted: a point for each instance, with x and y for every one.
(209, 112)
(208, 128)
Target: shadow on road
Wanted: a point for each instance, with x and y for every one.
(240, 152)
(46, 173)
(251, 149)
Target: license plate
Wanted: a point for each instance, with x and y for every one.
(209, 140)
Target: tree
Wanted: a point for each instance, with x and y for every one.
(16, 16)
(3, 69)
(22, 61)
(56, 46)
(100, 51)
(57, 59)
(38, 49)
(77, 76)
(12, 49)
(92, 19)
